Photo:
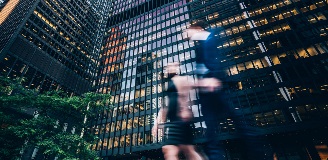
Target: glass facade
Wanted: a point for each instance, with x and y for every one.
(273, 52)
(11, 15)
(134, 53)
(6, 9)
(3, 4)
(53, 46)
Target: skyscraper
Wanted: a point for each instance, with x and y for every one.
(272, 51)
(50, 43)
(53, 45)
(134, 52)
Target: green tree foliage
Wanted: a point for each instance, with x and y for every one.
(46, 130)
(10, 144)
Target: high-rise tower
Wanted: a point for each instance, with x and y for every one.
(274, 54)
(50, 43)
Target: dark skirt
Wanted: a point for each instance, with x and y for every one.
(178, 133)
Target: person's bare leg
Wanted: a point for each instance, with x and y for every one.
(190, 152)
(170, 152)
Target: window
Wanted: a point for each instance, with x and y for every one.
(135, 122)
(127, 140)
(118, 125)
(134, 139)
(141, 121)
(112, 127)
(107, 127)
(122, 141)
(115, 142)
(129, 123)
(110, 143)
(140, 138)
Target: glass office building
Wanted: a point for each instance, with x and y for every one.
(273, 52)
(50, 43)
(141, 39)
(11, 15)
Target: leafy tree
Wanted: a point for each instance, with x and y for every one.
(9, 116)
(10, 144)
(46, 131)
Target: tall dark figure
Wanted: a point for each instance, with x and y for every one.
(211, 78)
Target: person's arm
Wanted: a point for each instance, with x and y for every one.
(184, 87)
(161, 118)
(209, 84)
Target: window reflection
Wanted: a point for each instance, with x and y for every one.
(140, 139)
(149, 49)
(115, 142)
(118, 125)
(135, 122)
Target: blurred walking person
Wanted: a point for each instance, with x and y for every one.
(180, 134)
(209, 84)
(212, 98)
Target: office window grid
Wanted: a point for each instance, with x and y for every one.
(33, 79)
(273, 54)
(63, 36)
(12, 15)
(137, 50)
(56, 42)
(122, 5)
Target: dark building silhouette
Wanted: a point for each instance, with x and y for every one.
(274, 55)
(50, 43)
(53, 45)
